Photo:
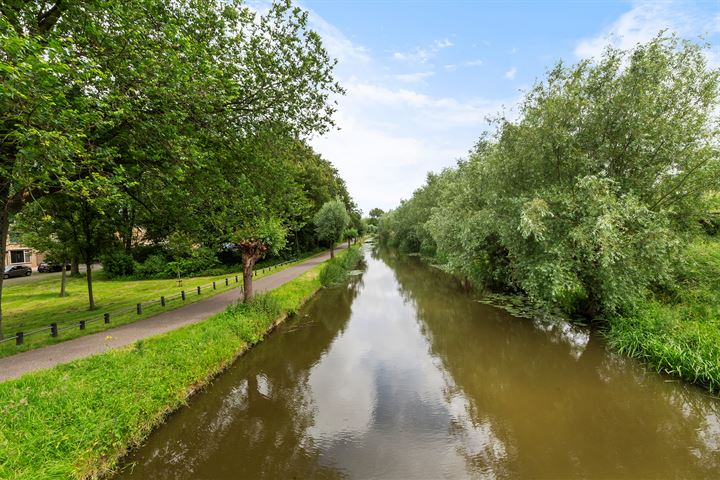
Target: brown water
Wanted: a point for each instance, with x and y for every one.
(402, 375)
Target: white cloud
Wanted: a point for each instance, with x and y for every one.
(450, 67)
(510, 74)
(413, 77)
(473, 63)
(423, 54)
(644, 21)
(337, 44)
(389, 137)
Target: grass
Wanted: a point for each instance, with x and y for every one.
(29, 306)
(76, 420)
(680, 335)
(335, 270)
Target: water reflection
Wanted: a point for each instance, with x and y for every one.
(401, 374)
(560, 404)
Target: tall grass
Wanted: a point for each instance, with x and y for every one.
(680, 334)
(336, 270)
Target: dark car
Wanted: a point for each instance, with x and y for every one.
(46, 267)
(17, 271)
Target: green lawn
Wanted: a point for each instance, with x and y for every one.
(29, 306)
(680, 334)
(76, 420)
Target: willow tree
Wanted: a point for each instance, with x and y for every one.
(255, 239)
(330, 223)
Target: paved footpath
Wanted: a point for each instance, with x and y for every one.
(47, 357)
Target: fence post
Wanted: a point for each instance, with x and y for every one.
(213, 285)
(53, 329)
(198, 289)
(162, 301)
(226, 282)
(82, 324)
(182, 294)
(106, 317)
(139, 308)
(19, 338)
(236, 279)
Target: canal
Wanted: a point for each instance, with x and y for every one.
(401, 374)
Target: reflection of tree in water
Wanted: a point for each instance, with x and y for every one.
(546, 399)
(252, 421)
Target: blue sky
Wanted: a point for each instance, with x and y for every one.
(422, 76)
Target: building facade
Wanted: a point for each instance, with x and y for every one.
(18, 254)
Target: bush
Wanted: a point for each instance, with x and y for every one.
(117, 264)
(154, 266)
(335, 270)
(201, 260)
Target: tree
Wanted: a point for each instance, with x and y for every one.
(254, 240)
(351, 234)
(44, 233)
(584, 201)
(330, 223)
(120, 92)
(375, 215)
(69, 227)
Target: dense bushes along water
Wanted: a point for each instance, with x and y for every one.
(597, 202)
(335, 270)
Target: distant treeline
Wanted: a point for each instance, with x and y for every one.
(586, 200)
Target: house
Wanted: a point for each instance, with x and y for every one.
(18, 254)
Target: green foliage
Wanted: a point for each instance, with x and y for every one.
(680, 334)
(267, 235)
(118, 263)
(168, 111)
(350, 234)
(76, 420)
(331, 221)
(155, 266)
(585, 201)
(335, 270)
(200, 260)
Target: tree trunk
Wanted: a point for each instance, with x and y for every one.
(91, 299)
(4, 230)
(248, 264)
(63, 279)
(349, 239)
(75, 266)
(332, 250)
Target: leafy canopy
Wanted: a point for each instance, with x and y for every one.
(331, 221)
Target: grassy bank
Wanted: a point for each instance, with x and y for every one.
(680, 334)
(29, 306)
(335, 270)
(77, 419)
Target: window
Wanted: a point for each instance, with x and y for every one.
(28, 256)
(17, 256)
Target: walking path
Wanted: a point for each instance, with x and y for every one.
(47, 357)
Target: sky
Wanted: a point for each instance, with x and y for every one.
(422, 77)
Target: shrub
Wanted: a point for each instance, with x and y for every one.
(335, 270)
(117, 263)
(154, 266)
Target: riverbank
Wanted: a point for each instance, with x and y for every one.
(77, 419)
(677, 333)
(680, 333)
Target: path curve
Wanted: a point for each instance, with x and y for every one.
(46, 357)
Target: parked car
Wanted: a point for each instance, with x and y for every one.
(17, 271)
(46, 267)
